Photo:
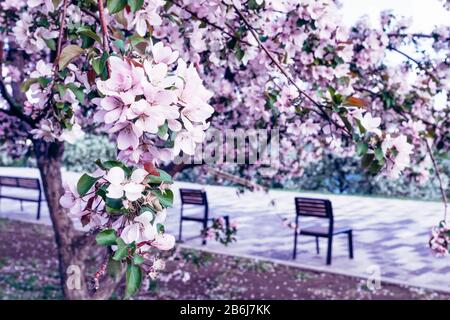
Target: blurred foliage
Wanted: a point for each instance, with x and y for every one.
(335, 174)
(77, 157)
(340, 175)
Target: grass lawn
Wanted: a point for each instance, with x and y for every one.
(29, 270)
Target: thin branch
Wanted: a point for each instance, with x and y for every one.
(321, 108)
(273, 59)
(104, 27)
(415, 35)
(14, 107)
(192, 13)
(62, 26)
(418, 63)
(438, 176)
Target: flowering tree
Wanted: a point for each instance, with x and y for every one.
(151, 73)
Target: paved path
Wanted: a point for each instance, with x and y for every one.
(390, 233)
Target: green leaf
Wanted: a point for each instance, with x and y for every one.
(137, 259)
(361, 148)
(68, 54)
(135, 5)
(107, 165)
(160, 228)
(51, 44)
(114, 268)
(99, 65)
(85, 184)
(43, 81)
(162, 130)
(166, 198)
(136, 39)
(375, 167)
(239, 53)
(86, 31)
(114, 203)
(367, 160)
(120, 44)
(301, 22)
(115, 6)
(163, 177)
(86, 42)
(106, 237)
(25, 86)
(253, 5)
(379, 155)
(133, 280)
(231, 43)
(122, 250)
(78, 92)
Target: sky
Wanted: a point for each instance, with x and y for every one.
(425, 13)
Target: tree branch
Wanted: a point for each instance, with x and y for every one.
(101, 15)
(438, 176)
(321, 108)
(62, 26)
(14, 108)
(419, 65)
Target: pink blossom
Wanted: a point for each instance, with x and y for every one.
(164, 242)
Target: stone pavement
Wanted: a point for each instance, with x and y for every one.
(390, 233)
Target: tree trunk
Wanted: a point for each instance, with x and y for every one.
(48, 156)
(74, 249)
(172, 168)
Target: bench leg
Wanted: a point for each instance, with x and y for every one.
(317, 245)
(21, 205)
(294, 254)
(205, 226)
(227, 221)
(38, 211)
(180, 231)
(350, 244)
(330, 249)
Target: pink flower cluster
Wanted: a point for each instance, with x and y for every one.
(440, 239)
(146, 100)
(123, 200)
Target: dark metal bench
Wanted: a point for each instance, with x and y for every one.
(22, 183)
(196, 198)
(319, 208)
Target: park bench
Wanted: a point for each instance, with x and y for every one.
(319, 208)
(196, 199)
(15, 184)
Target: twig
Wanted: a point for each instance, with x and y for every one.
(419, 65)
(62, 26)
(321, 108)
(208, 22)
(438, 175)
(239, 180)
(14, 107)
(415, 35)
(101, 15)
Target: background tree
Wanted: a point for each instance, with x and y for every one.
(75, 66)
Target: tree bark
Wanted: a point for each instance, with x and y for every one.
(74, 248)
(172, 168)
(48, 156)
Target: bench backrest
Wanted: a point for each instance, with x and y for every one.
(193, 196)
(320, 208)
(18, 182)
